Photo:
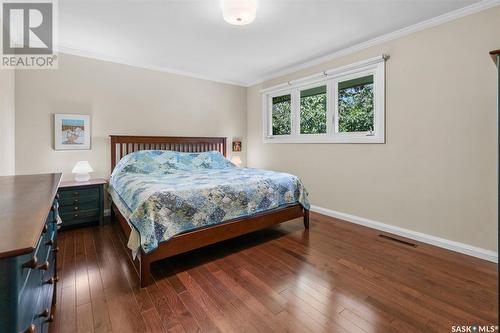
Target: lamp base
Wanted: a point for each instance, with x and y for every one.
(82, 177)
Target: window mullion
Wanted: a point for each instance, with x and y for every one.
(295, 112)
(335, 103)
(329, 109)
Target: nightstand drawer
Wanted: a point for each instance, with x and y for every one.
(82, 216)
(77, 200)
(79, 192)
(75, 208)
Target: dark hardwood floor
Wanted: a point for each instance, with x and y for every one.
(336, 277)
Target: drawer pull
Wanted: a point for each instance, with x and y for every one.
(76, 193)
(52, 280)
(31, 264)
(50, 319)
(44, 313)
(45, 228)
(50, 242)
(76, 208)
(75, 201)
(30, 329)
(56, 249)
(57, 195)
(45, 266)
(76, 215)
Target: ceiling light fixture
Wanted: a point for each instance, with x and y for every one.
(239, 12)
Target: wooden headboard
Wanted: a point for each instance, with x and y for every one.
(122, 145)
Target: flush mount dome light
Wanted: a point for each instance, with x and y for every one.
(239, 12)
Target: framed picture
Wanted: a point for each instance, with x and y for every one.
(71, 131)
(236, 144)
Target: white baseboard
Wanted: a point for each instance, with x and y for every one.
(418, 236)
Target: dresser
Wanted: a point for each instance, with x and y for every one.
(81, 203)
(28, 251)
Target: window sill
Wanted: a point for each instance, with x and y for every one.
(325, 139)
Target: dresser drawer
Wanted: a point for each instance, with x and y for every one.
(34, 294)
(81, 216)
(78, 192)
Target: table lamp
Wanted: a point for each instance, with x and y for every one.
(81, 171)
(236, 160)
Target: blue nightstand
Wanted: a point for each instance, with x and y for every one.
(81, 203)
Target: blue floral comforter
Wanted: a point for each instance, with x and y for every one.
(165, 193)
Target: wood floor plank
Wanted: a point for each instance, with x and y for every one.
(124, 312)
(334, 277)
(81, 274)
(68, 310)
(184, 317)
(100, 312)
(153, 321)
(84, 319)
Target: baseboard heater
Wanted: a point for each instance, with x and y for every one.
(398, 240)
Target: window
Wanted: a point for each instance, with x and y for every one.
(355, 105)
(338, 105)
(313, 110)
(282, 115)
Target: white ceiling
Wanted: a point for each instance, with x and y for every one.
(190, 36)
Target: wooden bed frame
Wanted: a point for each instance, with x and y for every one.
(123, 145)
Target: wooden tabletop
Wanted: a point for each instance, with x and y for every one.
(25, 202)
(72, 183)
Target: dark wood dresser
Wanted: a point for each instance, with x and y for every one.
(28, 251)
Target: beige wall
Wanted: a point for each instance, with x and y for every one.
(121, 100)
(436, 173)
(7, 122)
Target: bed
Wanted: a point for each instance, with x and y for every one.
(176, 194)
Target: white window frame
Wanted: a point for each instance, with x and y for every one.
(269, 113)
(330, 78)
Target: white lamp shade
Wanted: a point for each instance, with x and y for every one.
(81, 171)
(239, 12)
(236, 160)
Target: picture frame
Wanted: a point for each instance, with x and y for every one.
(236, 145)
(71, 131)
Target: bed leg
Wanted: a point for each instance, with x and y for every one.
(306, 218)
(145, 273)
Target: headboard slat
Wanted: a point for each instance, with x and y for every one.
(122, 145)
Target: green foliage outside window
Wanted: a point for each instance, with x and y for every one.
(313, 110)
(356, 105)
(282, 115)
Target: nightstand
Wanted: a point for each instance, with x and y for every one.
(81, 203)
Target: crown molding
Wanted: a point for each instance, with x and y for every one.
(435, 21)
(103, 57)
(438, 20)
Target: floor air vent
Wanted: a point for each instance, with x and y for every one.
(398, 240)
